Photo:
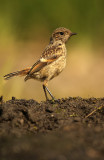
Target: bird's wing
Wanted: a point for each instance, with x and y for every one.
(49, 55)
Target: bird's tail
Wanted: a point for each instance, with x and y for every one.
(23, 72)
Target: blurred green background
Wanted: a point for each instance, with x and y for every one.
(25, 29)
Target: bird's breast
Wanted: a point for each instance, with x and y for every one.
(55, 68)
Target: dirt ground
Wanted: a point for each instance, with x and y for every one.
(66, 129)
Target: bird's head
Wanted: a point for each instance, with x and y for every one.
(62, 34)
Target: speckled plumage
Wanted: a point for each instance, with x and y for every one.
(51, 62)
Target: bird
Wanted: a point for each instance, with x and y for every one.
(51, 62)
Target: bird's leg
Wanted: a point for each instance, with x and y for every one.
(49, 92)
(44, 88)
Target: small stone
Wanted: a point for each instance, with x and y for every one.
(13, 98)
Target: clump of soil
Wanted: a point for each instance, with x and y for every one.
(70, 128)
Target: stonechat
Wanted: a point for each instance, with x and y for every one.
(51, 63)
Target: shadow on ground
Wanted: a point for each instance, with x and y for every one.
(65, 129)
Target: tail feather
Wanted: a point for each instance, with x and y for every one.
(23, 72)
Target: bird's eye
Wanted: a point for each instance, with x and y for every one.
(61, 33)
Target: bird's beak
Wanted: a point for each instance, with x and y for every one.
(73, 34)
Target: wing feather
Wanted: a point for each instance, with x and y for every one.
(49, 55)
